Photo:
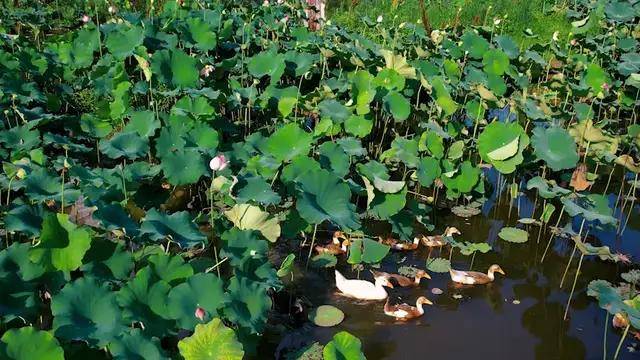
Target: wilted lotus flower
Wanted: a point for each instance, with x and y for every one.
(199, 313)
(206, 71)
(379, 19)
(218, 163)
(85, 18)
(437, 36)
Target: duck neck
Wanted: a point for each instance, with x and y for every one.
(379, 282)
(490, 274)
(417, 279)
(419, 307)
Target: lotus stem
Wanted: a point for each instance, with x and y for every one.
(552, 235)
(632, 194)
(313, 241)
(573, 287)
(624, 335)
(213, 243)
(604, 337)
(566, 269)
(473, 257)
(609, 180)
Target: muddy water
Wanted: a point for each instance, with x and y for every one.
(485, 323)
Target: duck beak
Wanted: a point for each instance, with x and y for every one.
(389, 284)
(427, 276)
(428, 302)
(502, 272)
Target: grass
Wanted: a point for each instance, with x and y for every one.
(543, 17)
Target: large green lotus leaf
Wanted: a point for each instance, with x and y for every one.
(403, 150)
(438, 265)
(388, 187)
(497, 143)
(324, 261)
(610, 299)
(79, 54)
(23, 137)
(95, 126)
(475, 44)
(383, 206)
(27, 343)
(15, 261)
(592, 207)
(24, 219)
(211, 341)
(183, 167)
(257, 189)
(108, 260)
(432, 142)
(301, 61)
(144, 123)
(247, 303)
(545, 189)
(456, 150)
(41, 185)
(62, 244)
(343, 346)
(134, 345)
(85, 310)
(196, 106)
(368, 251)
(334, 158)
(428, 171)
(324, 196)
(250, 217)
(513, 235)
(176, 227)
(267, 63)
(495, 62)
(390, 80)
(298, 166)
(358, 125)
(123, 40)
(463, 181)
(287, 143)
(199, 291)
(286, 104)
(242, 245)
(202, 34)
(183, 69)
(621, 11)
(373, 169)
(397, 105)
(468, 248)
(508, 45)
(326, 316)
(334, 110)
(125, 144)
(141, 297)
(595, 77)
(170, 268)
(556, 147)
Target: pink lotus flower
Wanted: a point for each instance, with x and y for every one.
(85, 18)
(573, 42)
(606, 87)
(218, 163)
(200, 313)
(206, 71)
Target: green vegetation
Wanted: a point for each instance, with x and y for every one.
(542, 17)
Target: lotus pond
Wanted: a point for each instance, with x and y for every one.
(175, 174)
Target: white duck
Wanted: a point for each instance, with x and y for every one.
(474, 277)
(362, 289)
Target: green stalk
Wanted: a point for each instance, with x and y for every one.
(215, 249)
(604, 337)
(552, 235)
(624, 335)
(573, 287)
(313, 241)
(566, 269)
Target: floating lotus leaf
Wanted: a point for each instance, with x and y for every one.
(465, 211)
(326, 316)
(176, 227)
(250, 217)
(468, 248)
(27, 343)
(438, 265)
(556, 147)
(85, 310)
(211, 341)
(324, 261)
(513, 235)
(368, 251)
(343, 346)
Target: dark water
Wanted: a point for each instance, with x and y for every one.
(485, 323)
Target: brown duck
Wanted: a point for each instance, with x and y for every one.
(474, 277)
(438, 240)
(401, 280)
(396, 244)
(336, 247)
(405, 311)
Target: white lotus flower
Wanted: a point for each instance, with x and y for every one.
(379, 19)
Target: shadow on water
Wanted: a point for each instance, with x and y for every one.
(518, 316)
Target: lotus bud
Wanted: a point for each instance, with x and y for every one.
(85, 18)
(606, 87)
(21, 174)
(265, 3)
(112, 9)
(379, 19)
(200, 313)
(496, 21)
(206, 70)
(573, 42)
(218, 163)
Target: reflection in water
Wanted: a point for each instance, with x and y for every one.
(517, 316)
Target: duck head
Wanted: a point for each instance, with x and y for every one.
(382, 280)
(423, 300)
(421, 274)
(452, 230)
(495, 268)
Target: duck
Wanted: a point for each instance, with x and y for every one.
(335, 247)
(406, 312)
(396, 244)
(438, 240)
(401, 280)
(474, 277)
(362, 289)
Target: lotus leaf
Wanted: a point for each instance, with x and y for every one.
(556, 147)
(211, 341)
(250, 217)
(438, 265)
(199, 291)
(343, 346)
(62, 244)
(176, 227)
(135, 345)
(27, 343)
(513, 235)
(368, 251)
(326, 316)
